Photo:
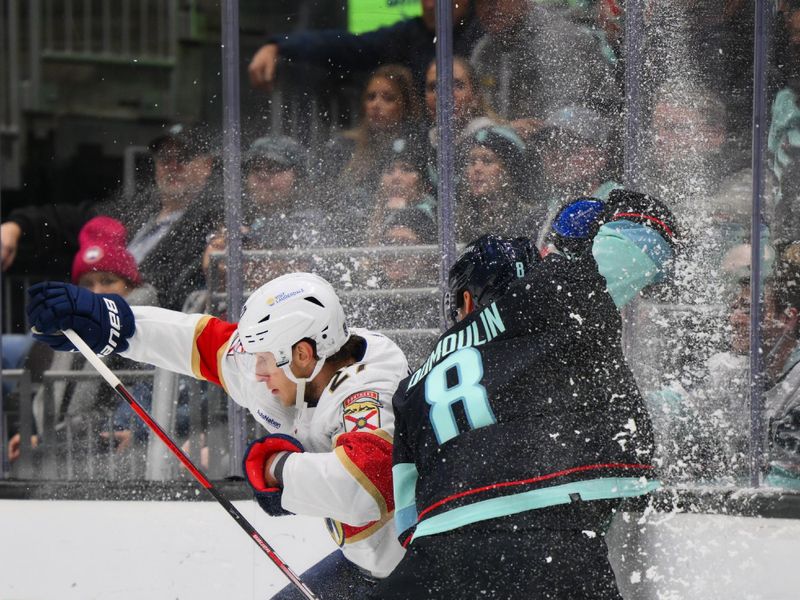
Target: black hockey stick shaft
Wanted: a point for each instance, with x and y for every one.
(115, 383)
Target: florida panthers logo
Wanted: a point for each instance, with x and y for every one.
(362, 411)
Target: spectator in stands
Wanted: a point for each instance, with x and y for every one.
(690, 153)
(608, 16)
(782, 401)
(275, 170)
(574, 155)
(409, 43)
(85, 409)
(169, 221)
(351, 163)
(408, 227)
(389, 110)
(404, 183)
(183, 209)
(533, 60)
(724, 224)
(784, 132)
(709, 428)
(693, 160)
(277, 213)
(471, 110)
(493, 185)
(710, 44)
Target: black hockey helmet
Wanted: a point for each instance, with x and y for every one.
(486, 268)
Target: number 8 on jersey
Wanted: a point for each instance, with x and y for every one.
(468, 366)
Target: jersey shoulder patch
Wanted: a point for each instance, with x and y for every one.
(363, 396)
(362, 411)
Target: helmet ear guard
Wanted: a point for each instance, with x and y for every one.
(451, 303)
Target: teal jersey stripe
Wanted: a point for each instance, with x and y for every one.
(593, 489)
(404, 481)
(405, 518)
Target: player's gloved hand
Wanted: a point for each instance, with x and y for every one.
(278, 447)
(644, 209)
(104, 321)
(575, 225)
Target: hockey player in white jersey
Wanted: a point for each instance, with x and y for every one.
(322, 390)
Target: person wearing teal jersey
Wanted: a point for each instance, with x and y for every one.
(519, 436)
(707, 437)
(784, 132)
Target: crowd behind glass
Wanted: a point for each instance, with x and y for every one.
(539, 101)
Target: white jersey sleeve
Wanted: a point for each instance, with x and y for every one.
(203, 347)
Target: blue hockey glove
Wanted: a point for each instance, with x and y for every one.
(575, 219)
(255, 459)
(104, 321)
(575, 225)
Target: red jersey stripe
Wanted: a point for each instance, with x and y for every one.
(504, 484)
(211, 335)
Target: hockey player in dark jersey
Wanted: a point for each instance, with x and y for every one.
(519, 436)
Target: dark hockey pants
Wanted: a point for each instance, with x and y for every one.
(332, 578)
(487, 564)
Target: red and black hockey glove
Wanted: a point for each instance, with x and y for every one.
(255, 459)
(644, 209)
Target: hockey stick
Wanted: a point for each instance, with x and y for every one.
(115, 383)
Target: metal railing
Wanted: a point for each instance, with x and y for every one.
(346, 268)
(53, 455)
(79, 447)
(138, 30)
(10, 95)
(35, 34)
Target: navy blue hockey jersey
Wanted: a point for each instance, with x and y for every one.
(525, 404)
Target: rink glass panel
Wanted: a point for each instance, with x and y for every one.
(88, 56)
(695, 102)
(689, 343)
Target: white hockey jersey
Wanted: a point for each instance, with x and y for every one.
(345, 473)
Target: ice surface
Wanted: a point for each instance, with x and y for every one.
(193, 551)
(154, 550)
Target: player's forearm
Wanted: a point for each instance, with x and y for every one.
(178, 342)
(319, 484)
(405, 486)
(337, 48)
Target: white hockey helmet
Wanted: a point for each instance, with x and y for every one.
(291, 308)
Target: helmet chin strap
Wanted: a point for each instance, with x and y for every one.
(300, 396)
